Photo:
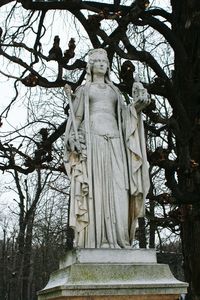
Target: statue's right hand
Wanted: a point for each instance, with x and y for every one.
(68, 90)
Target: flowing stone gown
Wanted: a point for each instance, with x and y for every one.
(110, 193)
(109, 179)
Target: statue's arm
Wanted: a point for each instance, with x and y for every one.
(74, 138)
(78, 109)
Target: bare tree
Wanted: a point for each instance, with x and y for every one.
(116, 26)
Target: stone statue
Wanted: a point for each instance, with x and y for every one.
(105, 159)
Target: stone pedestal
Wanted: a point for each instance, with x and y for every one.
(108, 274)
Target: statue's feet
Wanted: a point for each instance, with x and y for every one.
(105, 245)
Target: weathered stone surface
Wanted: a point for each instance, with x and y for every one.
(84, 273)
(133, 297)
(108, 256)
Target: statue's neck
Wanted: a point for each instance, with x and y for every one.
(98, 78)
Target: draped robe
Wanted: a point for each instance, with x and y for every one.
(109, 179)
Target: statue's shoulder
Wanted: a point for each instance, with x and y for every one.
(113, 87)
(118, 91)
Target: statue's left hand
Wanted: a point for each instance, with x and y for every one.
(141, 98)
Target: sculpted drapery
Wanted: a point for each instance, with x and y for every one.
(107, 167)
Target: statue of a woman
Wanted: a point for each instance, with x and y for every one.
(105, 159)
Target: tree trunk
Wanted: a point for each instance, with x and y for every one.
(186, 26)
(152, 224)
(3, 273)
(26, 289)
(142, 233)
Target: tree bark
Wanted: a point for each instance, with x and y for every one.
(186, 26)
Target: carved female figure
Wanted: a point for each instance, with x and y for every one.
(105, 158)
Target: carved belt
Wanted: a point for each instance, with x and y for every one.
(106, 136)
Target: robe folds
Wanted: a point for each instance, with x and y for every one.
(109, 179)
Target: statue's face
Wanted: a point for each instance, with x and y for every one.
(100, 65)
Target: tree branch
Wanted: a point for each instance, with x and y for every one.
(165, 31)
(4, 2)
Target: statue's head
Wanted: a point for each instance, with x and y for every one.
(95, 56)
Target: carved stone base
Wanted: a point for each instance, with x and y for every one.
(108, 274)
(134, 297)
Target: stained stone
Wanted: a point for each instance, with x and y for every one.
(111, 272)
